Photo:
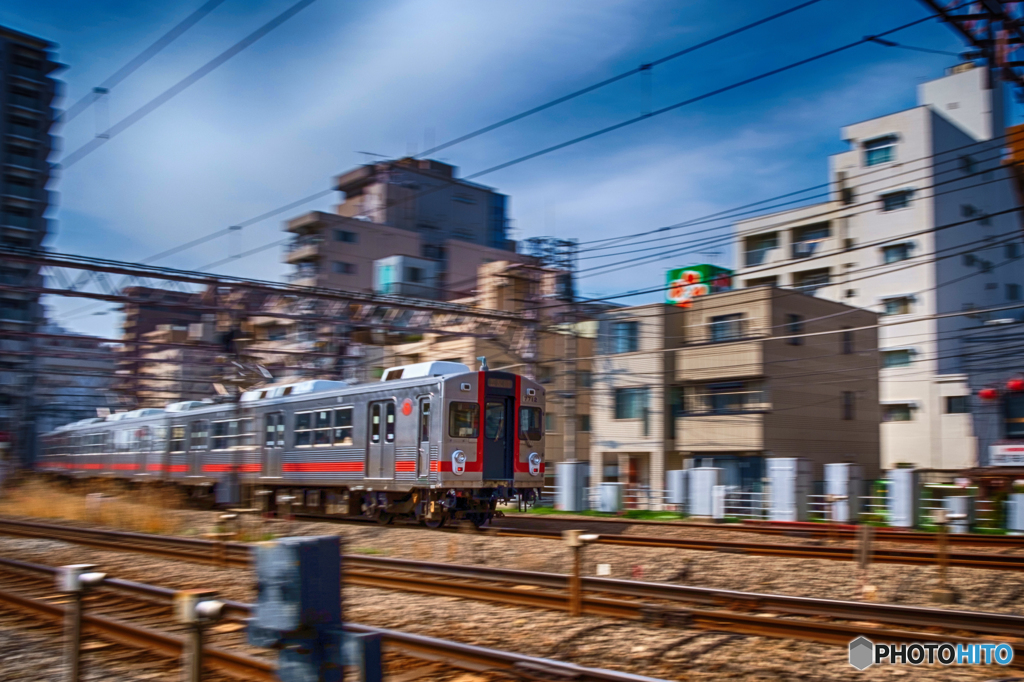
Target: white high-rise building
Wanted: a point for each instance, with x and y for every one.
(920, 223)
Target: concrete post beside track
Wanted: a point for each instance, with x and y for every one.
(75, 580)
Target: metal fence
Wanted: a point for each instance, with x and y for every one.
(746, 504)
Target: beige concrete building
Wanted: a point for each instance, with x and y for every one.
(738, 377)
(409, 207)
(516, 287)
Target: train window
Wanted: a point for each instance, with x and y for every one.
(322, 426)
(234, 433)
(464, 420)
(177, 439)
(531, 427)
(343, 426)
(389, 426)
(424, 420)
(198, 434)
(159, 438)
(494, 421)
(303, 429)
(375, 423)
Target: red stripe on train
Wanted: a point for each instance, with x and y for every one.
(322, 466)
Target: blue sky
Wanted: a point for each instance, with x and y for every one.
(280, 119)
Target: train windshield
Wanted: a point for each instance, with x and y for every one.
(530, 425)
(464, 420)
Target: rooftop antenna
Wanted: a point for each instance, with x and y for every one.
(369, 154)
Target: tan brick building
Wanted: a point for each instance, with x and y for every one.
(740, 376)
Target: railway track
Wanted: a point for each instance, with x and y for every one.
(821, 531)
(781, 616)
(237, 554)
(97, 620)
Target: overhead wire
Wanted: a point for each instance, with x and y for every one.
(133, 65)
(176, 89)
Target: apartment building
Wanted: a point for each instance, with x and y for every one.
(74, 377)
(560, 337)
(737, 377)
(920, 227)
(411, 208)
(27, 90)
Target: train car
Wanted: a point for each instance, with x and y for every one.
(432, 441)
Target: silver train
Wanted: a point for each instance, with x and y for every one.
(432, 441)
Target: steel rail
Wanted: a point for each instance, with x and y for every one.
(434, 582)
(237, 554)
(465, 656)
(239, 665)
(358, 567)
(833, 553)
(783, 528)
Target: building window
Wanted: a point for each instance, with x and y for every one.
(345, 236)
(967, 165)
(630, 403)
(343, 268)
(895, 200)
(545, 374)
(726, 327)
(794, 327)
(897, 358)
(1012, 292)
(584, 378)
(584, 423)
(847, 341)
(880, 150)
(896, 252)
(897, 413)
(625, 337)
(849, 400)
(1012, 250)
(898, 305)
(958, 404)
(414, 275)
(549, 423)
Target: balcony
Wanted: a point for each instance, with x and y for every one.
(27, 132)
(809, 281)
(32, 103)
(709, 433)
(758, 249)
(22, 161)
(16, 220)
(303, 249)
(303, 276)
(18, 190)
(810, 240)
(710, 361)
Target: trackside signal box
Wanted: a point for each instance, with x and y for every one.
(298, 611)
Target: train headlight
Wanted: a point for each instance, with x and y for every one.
(535, 461)
(459, 462)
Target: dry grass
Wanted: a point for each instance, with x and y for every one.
(144, 511)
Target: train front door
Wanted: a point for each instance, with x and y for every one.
(273, 444)
(499, 437)
(380, 447)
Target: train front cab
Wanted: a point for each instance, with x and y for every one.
(493, 441)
